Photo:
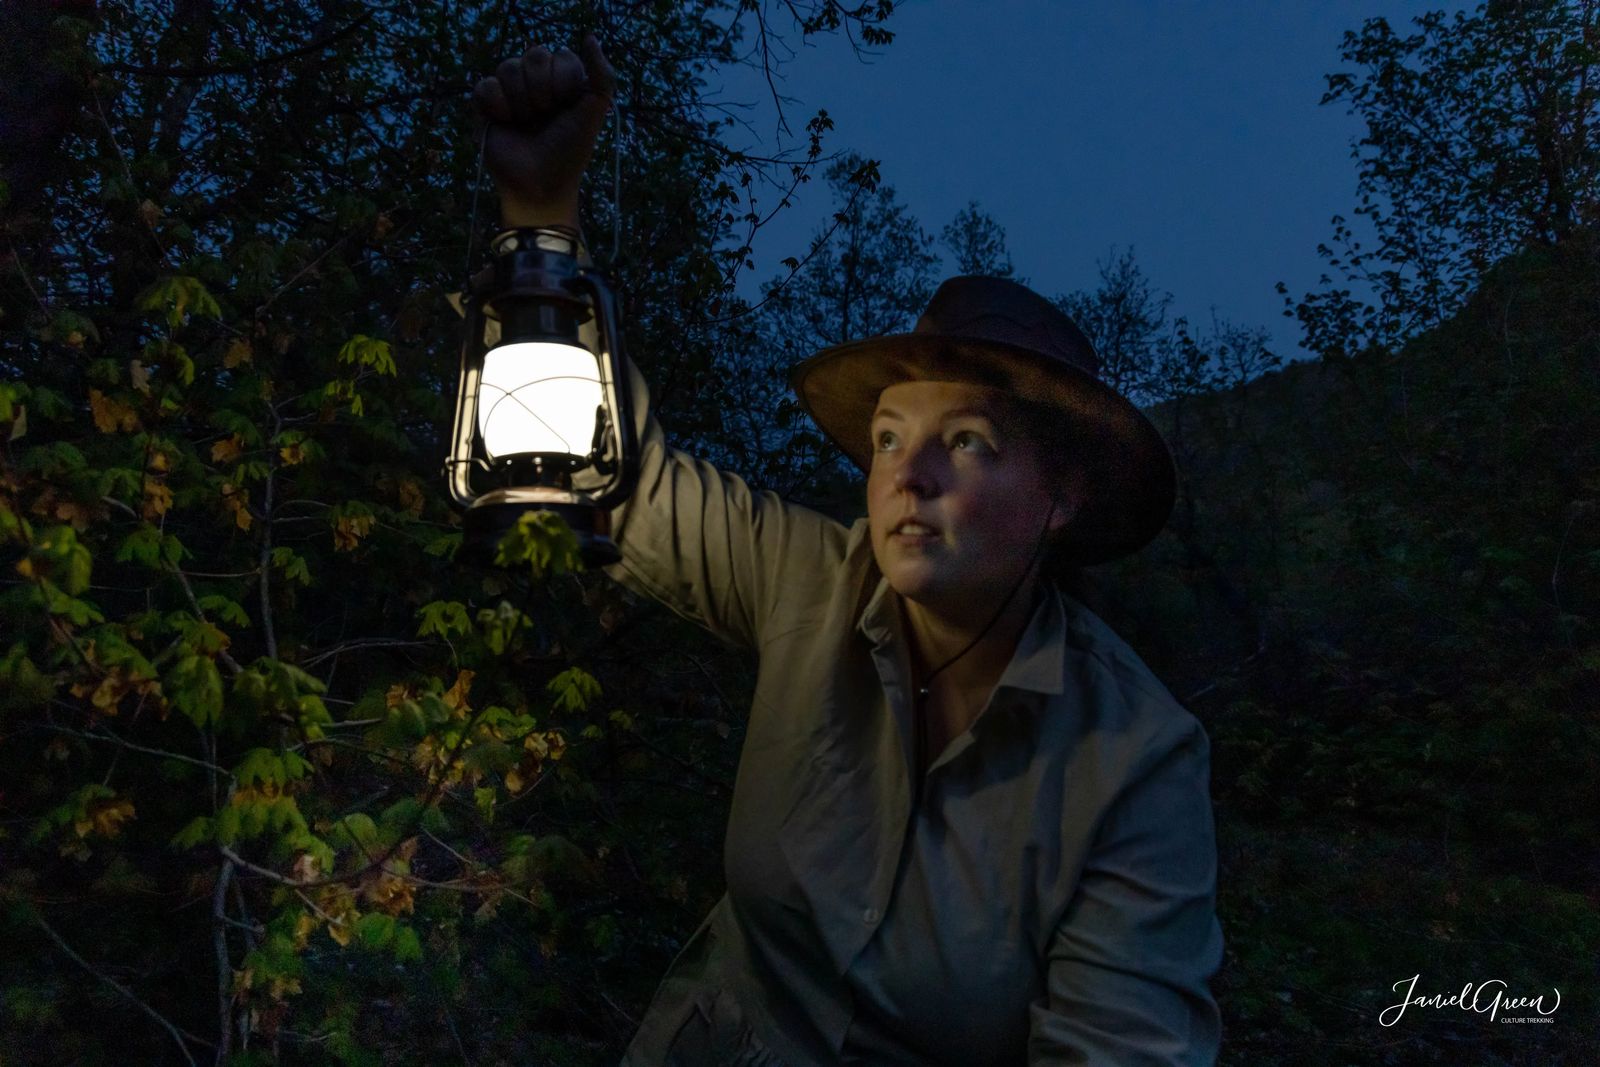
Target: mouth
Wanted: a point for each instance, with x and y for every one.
(914, 530)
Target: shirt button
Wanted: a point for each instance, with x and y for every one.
(869, 916)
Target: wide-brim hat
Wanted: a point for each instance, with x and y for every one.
(995, 332)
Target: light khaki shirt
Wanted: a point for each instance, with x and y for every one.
(1044, 895)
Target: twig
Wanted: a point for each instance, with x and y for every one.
(359, 643)
(112, 739)
(178, 1036)
(219, 939)
(212, 70)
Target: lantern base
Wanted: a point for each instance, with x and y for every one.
(485, 524)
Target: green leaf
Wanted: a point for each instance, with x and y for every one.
(443, 617)
(199, 830)
(375, 929)
(21, 683)
(225, 608)
(368, 352)
(195, 688)
(445, 545)
(544, 541)
(407, 948)
(142, 546)
(574, 689)
(500, 625)
(176, 297)
(293, 565)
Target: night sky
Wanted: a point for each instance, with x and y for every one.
(1188, 130)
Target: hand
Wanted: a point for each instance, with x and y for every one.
(544, 110)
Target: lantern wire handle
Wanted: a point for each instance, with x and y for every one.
(472, 217)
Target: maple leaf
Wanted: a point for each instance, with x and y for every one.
(239, 351)
(292, 454)
(110, 415)
(456, 696)
(104, 818)
(228, 449)
(348, 530)
(157, 498)
(411, 499)
(236, 501)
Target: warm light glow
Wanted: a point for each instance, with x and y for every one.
(538, 396)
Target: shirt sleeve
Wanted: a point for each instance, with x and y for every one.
(706, 545)
(1128, 967)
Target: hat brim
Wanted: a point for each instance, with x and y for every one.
(1132, 481)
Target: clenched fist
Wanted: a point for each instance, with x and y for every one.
(544, 110)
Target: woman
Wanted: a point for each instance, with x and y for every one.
(969, 826)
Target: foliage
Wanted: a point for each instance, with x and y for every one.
(263, 801)
(1481, 138)
(978, 244)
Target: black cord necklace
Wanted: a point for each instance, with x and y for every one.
(924, 688)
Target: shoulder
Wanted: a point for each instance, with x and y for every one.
(1119, 693)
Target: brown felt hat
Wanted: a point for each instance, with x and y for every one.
(995, 332)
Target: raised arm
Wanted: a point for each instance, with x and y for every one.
(696, 539)
(706, 545)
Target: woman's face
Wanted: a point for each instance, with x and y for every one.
(943, 459)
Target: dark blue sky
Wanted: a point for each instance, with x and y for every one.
(1187, 129)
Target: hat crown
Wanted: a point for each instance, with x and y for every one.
(997, 309)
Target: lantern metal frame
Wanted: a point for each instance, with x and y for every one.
(536, 290)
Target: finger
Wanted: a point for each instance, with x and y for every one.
(514, 87)
(491, 100)
(566, 77)
(602, 79)
(537, 64)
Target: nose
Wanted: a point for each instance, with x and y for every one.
(918, 471)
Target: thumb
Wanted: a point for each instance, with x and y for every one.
(602, 79)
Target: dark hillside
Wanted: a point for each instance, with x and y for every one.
(1379, 592)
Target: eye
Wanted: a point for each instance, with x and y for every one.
(969, 441)
(884, 440)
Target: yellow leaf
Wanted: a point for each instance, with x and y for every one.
(399, 694)
(105, 818)
(157, 498)
(139, 374)
(411, 499)
(348, 531)
(228, 449)
(236, 501)
(239, 351)
(71, 511)
(456, 696)
(291, 454)
(340, 931)
(389, 893)
(304, 927)
(514, 782)
(111, 416)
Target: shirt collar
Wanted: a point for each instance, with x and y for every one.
(1039, 663)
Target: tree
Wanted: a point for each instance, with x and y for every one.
(1125, 319)
(1481, 138)
(256, 788)
(870, 272)
(978, 243)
